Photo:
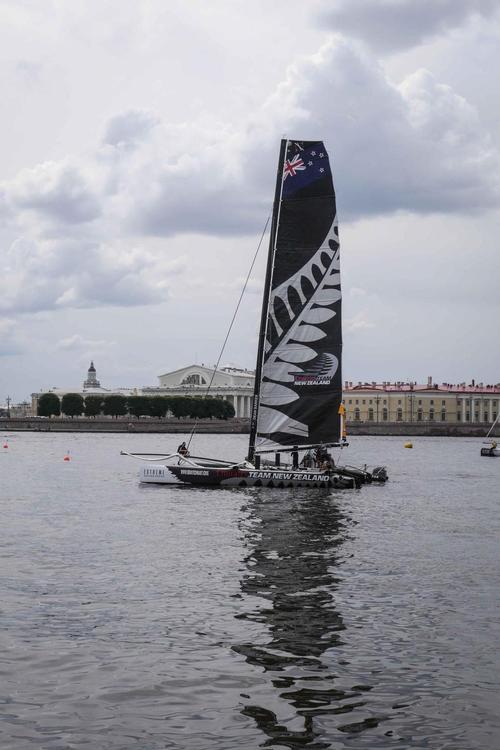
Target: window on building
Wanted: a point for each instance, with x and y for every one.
(350, 400)
(357, 401)
(494, 403)
(399, 415)
(476, 416)
(459, 400)
(385, 415)
(443, 403)
(443, 416)
(370, 415)
(459, 417)
(420, 402)
(431, 415)
(363, 401)
(477, 403)
(399, 402)
(419, 415)
(494, 415)
(432, 402)
(486, 418)
(194, 379)
(385, 401)
(370, 401)
(467, 416)
(356, 415)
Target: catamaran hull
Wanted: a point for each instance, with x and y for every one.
(201, 477)
(490, 451)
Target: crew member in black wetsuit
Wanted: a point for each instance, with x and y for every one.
(182, 449)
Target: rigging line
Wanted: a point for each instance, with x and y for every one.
(231, 324)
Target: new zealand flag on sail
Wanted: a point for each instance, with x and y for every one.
(306, 162)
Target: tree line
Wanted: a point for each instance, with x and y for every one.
(115, 405)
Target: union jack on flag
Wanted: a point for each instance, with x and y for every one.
(293, 166)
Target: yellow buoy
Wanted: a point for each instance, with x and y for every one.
(408, 445)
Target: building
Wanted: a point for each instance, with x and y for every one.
(473, 403)
(411, 402)
(230, 383)
(91, 381)
(91, 387)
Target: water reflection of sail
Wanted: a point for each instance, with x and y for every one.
(294, 541)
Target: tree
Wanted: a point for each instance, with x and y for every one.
(138, 405)
(49, 405)
(180, 406)
(158, 406)
(72, 404)
(93, 406)
(226, 409)
(115, 405)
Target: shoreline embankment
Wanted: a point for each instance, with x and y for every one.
(235, 426)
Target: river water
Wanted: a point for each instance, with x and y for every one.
(139, 618)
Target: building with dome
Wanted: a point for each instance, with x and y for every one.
(91, 381)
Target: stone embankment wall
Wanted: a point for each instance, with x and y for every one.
(233, 426)
(124, 425)
(429, 429)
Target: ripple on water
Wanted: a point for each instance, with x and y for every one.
(146, 618)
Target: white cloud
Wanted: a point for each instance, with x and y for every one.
(392, 25)
(78, 342)
(359, 322)
(51, 274)
(86, 223)
(10, 342)
(57, 192)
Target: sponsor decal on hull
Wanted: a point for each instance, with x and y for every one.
(299, 476)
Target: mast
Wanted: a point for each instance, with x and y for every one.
(265, 303)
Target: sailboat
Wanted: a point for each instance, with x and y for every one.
(297, 403)
(492, 450)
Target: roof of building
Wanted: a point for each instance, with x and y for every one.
(400, 386)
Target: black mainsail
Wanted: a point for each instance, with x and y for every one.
(298, 388)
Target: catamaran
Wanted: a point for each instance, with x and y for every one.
(297, 404)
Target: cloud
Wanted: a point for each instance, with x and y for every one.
(358, 322)
(51, 274)
(77, 342)
(417, 146)
(128, 128)
(55, 191)
(9, 341)
(86, 225)
(394, 25)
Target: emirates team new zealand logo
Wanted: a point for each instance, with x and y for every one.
(321, 374)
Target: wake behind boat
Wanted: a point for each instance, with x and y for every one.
(297, 404)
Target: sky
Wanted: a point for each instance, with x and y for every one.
(138, 153)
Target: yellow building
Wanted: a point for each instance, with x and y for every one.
(412, 402)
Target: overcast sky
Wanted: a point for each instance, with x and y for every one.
(138, 148)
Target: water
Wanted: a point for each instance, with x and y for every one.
(153, 617)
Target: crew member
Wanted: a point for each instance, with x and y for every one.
(182, 449)
(295, 458)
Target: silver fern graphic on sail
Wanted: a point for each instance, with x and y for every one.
(286, 360)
